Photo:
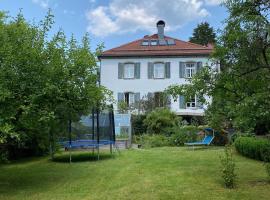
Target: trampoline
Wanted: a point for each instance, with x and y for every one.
(92, 131)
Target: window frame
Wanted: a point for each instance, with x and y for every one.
(125, 66)
(153, 42)
(190, 103)
(127, 100)
(164, 70)
(145, 43)
(189, 69)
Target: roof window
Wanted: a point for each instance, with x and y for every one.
(154, 43)
(145, 43)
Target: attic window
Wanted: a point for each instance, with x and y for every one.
(153, 43)
(145, 43)
(171, 42)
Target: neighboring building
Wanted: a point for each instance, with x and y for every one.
(146, 67)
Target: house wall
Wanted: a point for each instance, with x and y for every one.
(109, 79)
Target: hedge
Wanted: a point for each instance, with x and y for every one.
(254, 148)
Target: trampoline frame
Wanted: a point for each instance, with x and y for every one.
(92, 144)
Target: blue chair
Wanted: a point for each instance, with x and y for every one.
(205, 142)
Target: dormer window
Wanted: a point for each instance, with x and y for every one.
(145, 43)
(154, 43)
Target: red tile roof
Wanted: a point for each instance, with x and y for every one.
(135, 49)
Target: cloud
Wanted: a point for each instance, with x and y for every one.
(42, 3)
(213, 2)
(121, 16)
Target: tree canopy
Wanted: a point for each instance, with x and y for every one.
(44, 83)
(240, 92)
(203, 34)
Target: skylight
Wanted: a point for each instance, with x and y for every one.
(145, 43)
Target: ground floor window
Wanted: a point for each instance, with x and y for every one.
(160, 99)
(129, 98)
(191, 103)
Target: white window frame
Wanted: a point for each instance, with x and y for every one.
(131, 98)
(156, 65)
(192, 104)
(153, 42)
(190, 69)
(145, 43)
(129, 71)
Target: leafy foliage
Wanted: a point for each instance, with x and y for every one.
(160, 121)
(253, 148)
(228, 168)
(240, 92)
(203, 34)
(184, 134)
(137, 124)
(44, 82)
(150, 141)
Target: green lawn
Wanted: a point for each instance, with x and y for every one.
(158, 173)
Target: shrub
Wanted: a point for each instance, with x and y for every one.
(228, 168)
(253, 148)
(137, 124)
(183, 134)
(148, 141)
(3, 156)
(161, 121)
(220, 139)
(267, 167)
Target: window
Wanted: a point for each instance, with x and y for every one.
(190, 70)
(153, 42)
(159, 70)
(161, 99)
(145, 43)
(129, 98)
(129, 70)
(192, 103)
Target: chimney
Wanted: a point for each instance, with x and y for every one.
(160, 28)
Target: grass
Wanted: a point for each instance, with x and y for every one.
(158, 173)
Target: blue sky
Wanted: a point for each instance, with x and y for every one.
(116, 22)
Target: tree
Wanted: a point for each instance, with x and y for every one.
(203, 34)
(44, 83)
(240, 91)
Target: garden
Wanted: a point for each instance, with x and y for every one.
(155, 173)
(46, 83)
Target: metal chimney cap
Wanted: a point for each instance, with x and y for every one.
(160, 23)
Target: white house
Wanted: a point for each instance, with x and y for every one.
(147, 66)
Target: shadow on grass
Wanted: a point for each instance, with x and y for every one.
(81, 157)
(204, 148)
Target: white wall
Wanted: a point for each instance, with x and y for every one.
(109, 78)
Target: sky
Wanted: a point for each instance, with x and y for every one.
(116, 22)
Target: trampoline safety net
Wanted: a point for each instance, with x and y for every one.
(91, 131)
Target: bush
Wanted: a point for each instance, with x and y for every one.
(228, 168)
(148, 141)
(184, 134)
(253, 148)
(137, 124)
(161, 121)
(267, 167)
(220, 139)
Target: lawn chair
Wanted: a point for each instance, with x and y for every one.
(205, 142)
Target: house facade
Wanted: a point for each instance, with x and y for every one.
(144, 68)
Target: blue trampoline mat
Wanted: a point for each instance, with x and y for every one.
(85, 143)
